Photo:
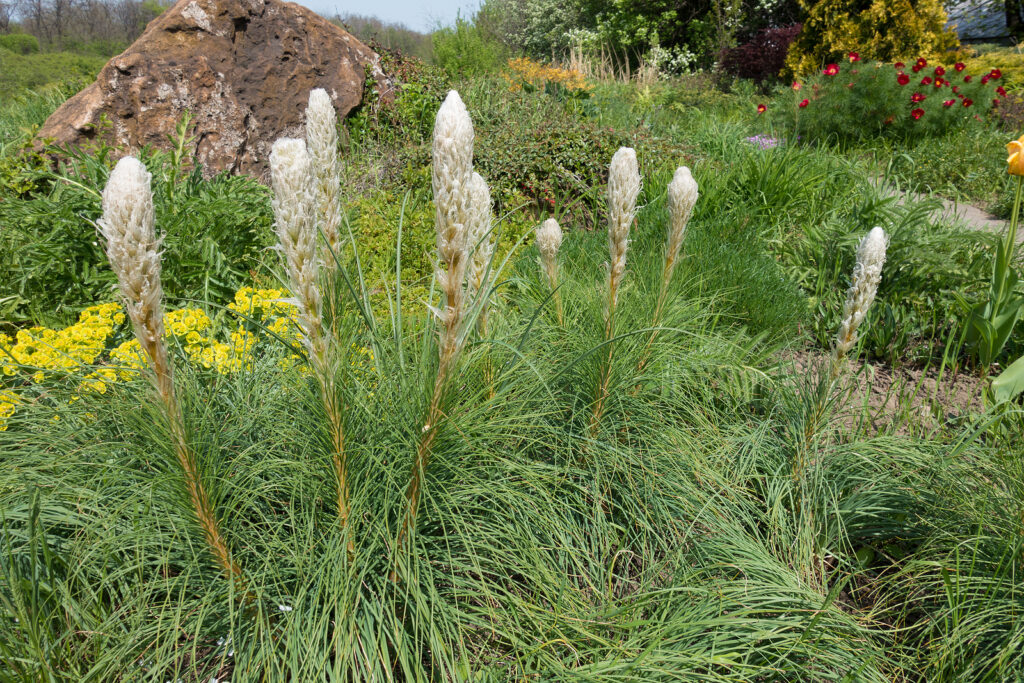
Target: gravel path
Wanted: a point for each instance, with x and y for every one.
(971, 216)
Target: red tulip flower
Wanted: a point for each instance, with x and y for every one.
(926, 80)
(967, 78)
(903, 79)
(996, 74)
(796, 85)
(917, 113)
(803, 103)
(939, 71)
(968, 102)
(917, 97)
(916, 68)
(831, 70)
(949, 103)
(939, 82)
(959, 66)
(854, 56)
(761, 109)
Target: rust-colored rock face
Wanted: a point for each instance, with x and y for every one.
(243, 68)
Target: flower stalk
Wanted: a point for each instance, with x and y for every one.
(294, 204)
(867, 274)
(623, 189)
(133, 249)
(452, 181)
(549, 240)
(682, 197)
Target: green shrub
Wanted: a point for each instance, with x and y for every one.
(19, 43)
(52, 263)
(465, 50)
(877, 29)
(407, 115)
(861, 99)
(533, 145)
(22, 114)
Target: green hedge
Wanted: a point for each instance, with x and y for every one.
(19, 43)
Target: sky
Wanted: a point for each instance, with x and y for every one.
(419, 15)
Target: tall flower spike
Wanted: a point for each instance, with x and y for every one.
(451, 172)
(682, 197)
(479, 233)
(867, 274)
(293, 205)
(452, 176)
(134, 253)
(322, 144)
(294, 223)
(549, 240)
(623, 188)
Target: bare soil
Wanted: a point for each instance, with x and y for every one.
(907, 399)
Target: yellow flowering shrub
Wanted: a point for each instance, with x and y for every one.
(525, 71)
(1009, 62)
(44, 349)
(880, 30)
(87, 349)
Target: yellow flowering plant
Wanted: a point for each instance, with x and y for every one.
(259, 322)
(89, 350)
(524, 73)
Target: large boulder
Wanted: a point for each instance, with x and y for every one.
(242, 68)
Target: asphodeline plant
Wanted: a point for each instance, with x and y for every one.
(452, 180)
(682, 197)
(294, 205)
(134, 252)
(867, 274)
(623, 189)
(322, 145)
(549, 240)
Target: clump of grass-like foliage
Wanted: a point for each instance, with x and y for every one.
(717, 522)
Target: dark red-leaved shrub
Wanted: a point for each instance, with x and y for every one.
(763, 56)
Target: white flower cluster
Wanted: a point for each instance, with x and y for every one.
(322, 144)
(623, 189)
(867, 274)
(295, 225)
(682, 197)
(132, 245)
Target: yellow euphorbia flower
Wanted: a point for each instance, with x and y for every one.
(1015, 158)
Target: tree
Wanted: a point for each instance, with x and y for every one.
(8, 10)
